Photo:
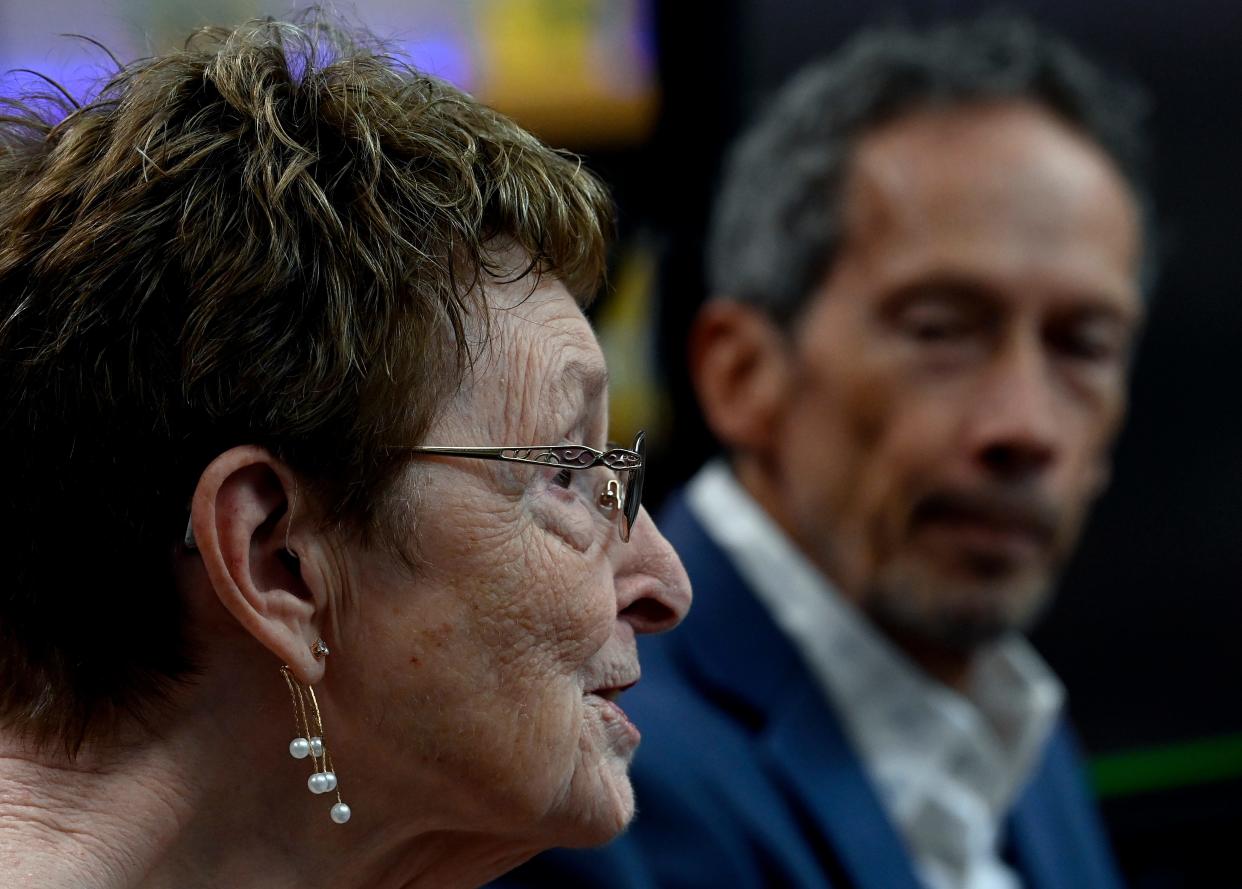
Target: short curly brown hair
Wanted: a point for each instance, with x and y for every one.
(267, 237)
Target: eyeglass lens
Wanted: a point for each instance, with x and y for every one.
(634, 487)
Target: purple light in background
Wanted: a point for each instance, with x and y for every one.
(82, 80)
(33, 36)
(645, 35)
(443, 55)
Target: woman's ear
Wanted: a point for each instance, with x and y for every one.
(739, 362)
(242, 522)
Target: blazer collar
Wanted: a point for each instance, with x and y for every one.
(728, 640)
(1055, 835)
(729, 643)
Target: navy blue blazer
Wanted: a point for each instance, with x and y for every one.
(745, 777)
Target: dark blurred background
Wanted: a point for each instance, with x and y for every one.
(1147, 632)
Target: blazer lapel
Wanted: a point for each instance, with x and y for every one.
(808, 749)
(731, 643)
(1055, 835)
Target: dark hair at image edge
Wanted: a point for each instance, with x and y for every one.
(272, 236)
(778, 221)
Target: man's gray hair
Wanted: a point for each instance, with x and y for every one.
(778, 220)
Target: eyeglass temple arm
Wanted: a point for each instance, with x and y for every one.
(548, 455)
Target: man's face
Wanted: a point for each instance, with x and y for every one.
(961, 373)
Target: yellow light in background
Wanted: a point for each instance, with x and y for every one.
(579, 73)
(571, 70)
(626, 326)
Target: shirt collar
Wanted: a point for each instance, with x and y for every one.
(987, 738)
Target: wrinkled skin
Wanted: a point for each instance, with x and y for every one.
(475, 688)
(467, 697)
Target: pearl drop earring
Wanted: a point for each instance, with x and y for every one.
(310, 740)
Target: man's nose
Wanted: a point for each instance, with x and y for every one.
(653, 591)
(1013, 424)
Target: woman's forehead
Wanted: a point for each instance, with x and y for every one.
(543, 368)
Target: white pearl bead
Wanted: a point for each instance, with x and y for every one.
(340, 813)
(316, 746)
(318, 783)
(330, 779)
(299, 748)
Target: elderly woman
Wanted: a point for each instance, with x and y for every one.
(319, 570)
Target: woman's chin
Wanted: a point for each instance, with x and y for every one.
(599, 806)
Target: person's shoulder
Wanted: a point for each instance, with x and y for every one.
(677, 521)
(1054, 826)
(686, 724)
(684, 834)
(687, 831)
(699, 786)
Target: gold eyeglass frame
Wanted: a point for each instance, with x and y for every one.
(626, 501)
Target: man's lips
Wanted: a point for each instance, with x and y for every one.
(989, 520)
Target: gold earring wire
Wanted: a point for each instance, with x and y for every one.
(308, 723)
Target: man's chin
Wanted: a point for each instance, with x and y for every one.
(960, 616)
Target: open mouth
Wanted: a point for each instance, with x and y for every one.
(617, 725)
(611, 693)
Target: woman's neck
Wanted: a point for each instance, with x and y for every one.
(101, 820)
(207, 803)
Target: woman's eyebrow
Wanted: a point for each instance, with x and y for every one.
(588, 378)
(581, 384)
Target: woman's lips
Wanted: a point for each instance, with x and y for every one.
(611, 694)
(614, 717)
(614, 714)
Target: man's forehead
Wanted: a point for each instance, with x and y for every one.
(963, 166)
(998, 192)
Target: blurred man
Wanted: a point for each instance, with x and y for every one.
(926, 259)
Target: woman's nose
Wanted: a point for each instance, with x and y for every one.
(653, 591)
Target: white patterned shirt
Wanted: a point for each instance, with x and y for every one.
(948, 765)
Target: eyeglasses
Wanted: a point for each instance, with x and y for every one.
(613, 500)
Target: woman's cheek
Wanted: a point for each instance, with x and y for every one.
(563, 514)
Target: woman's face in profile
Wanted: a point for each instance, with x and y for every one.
(478, 681)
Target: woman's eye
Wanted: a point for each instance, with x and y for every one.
(563, 479)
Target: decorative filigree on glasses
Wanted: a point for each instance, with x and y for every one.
(623, 502)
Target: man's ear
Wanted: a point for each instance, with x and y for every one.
(241, 518)
(741, 368)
